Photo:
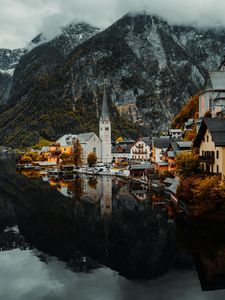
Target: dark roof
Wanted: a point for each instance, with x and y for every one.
(175, 146)
(161, 142)
(147, 140)
(125, 148)
(184, 145)
(216, 127)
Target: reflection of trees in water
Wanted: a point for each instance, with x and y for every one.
(207, 241)
(138, 243)
(76, 188)
(92, 182)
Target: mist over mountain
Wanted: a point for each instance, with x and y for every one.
(150, 69)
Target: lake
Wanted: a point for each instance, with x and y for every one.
(101, 238)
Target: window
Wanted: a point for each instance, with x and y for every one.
(64, 149)
(94, 149)
(203, 152)
(207, 138)
(217, 154)
(217, 169)
(106, 128)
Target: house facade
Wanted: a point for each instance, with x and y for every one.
(90, 142)
(66, 143)
(211, 143)
(159, 145)
(140, 151)
(175, 148)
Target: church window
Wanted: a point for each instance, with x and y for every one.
(207, 138)
(94, 149)
(106, 128)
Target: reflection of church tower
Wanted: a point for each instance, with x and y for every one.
(106, 199)
(105, 131)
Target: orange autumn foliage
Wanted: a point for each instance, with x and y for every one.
(189, 111)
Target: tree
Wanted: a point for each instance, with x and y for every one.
(187, 112)
(92, 159)
(77, 153)
(190, 134)
(208, 189)
(208, 114)
(65, 157)
(26, 159)
(187, 164)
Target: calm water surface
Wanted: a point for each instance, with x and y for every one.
(99, 239)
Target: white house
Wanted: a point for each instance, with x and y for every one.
(90, 142)
(175, 133)
(140, 150)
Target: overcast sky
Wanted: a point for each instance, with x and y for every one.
(21, 20)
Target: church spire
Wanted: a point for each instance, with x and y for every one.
(105, 109)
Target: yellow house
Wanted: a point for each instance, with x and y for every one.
(211, 142)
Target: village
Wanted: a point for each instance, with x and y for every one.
(158, 162)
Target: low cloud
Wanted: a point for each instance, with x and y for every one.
(21, 20)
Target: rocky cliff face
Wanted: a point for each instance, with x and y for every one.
(149, 67)
(8, 61)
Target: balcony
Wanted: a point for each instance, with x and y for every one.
(207, 159)
(140, 152)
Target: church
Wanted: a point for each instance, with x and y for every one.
(89, 141)
(212, 98)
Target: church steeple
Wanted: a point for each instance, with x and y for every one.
(105, 109)
(105, 131)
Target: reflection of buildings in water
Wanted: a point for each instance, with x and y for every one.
(140, 193)
(106, 199)
(93, 190)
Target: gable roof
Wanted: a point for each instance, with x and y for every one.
(125, 148)
(66, 139)
(147, 140)
(215, 80)
(85, 137)
(184, 144)
(216, 127)
(161, 143)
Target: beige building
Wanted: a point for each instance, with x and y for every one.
(211, 142)
(140, 150)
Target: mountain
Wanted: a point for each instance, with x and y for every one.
(8, 61)
(44, 56)
(150, 69)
